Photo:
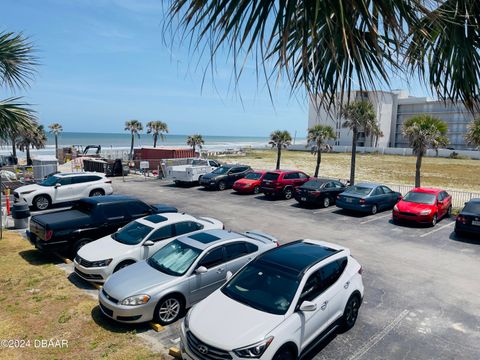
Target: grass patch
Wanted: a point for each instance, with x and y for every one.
(453, 174)
(38, 302)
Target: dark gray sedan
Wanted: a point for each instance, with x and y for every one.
(179, 275)
(368, 198)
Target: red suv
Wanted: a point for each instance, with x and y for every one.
(282, 182)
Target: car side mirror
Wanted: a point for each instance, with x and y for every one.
(308, 306)
(229, 275)
(201, 270)
(148, 243)
(57, 185)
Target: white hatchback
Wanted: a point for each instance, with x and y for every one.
(136, 241)
(279, 306)
(63, 188)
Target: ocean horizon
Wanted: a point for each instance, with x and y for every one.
(121, 141)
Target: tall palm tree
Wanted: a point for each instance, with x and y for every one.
(134, 127)
(280, 139)
(158, 129)
(194, 141)
(472, 137)
(423, 132)
(55, 129)
(359, 115)
(317, 137)
(32, 137)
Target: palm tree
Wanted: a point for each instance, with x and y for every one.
(32, 137)
(157, 128)
(472, 137)
(280, 139)
(55, 129)
(316, 139)
(359, 115)
(194, 141)
(134, 127)
(424, 131)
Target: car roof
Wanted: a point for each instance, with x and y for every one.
(322, 180)
(297, 257)
(474, 200)
(73, 174)
(205, 239)
(159, 220)
(233, 165)
(282, 171)
(427, 190)
(108, 199)
(368, 184)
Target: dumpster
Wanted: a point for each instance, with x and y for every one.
(20, 215)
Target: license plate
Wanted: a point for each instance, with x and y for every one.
(476, 223)
(348, 200)
(303, 199)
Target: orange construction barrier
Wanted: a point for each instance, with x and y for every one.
(7, 204)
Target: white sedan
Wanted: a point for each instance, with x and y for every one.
(134, 242)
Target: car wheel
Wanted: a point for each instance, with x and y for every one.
(79, 244)
(434, 220)
(169, 309)
(222, 186)
(374, 209)
(122, 265)
(200, 178)
(256, 190)
(449, 213)
(288, 193)
(350, 313)
(42, 202)
(284, 354)
(326, 202)
(97, 192)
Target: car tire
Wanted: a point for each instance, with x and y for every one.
(256, 190)
(350, 314)
(169, 309)
(79, 244)
(288, 193)
(200, 178)
(222, 186)
(97, 192)
(448, 215)
(283, 354)
(326, 202)
(41, 202)
(122, 265)
(374, 209)
(434, 220)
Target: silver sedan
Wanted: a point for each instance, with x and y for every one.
(179, 275)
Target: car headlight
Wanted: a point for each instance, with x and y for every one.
(425, 212)
(26, 192)
(255, 350)
(395, 208)
(101, 263)
(136, 300)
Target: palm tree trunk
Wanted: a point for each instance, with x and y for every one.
(14, 147)
(29, 159)
(418, 166)
(56, 146)
(131, 147)
(193, 146)
(354, 157)
(319, 160)
(155, 140)
(279, 154)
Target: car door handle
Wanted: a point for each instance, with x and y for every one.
(347, 284)
(324, 306)
(220, 270)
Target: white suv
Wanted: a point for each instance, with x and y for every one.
(63, 188)
(279, 306)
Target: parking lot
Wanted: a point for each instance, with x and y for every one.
(421, 283)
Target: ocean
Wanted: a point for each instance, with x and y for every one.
(121, 142)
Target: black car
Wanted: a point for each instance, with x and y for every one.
(90, 219)
(224, 176)
(319, 192)
(468, 221)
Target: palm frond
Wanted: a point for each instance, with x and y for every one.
(14, 116)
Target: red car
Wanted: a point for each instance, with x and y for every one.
(282, 182)
(423, 205)
(250, 184)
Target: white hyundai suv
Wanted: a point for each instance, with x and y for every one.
(279, 306)
(63, 188)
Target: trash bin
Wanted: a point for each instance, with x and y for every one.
(20, 215)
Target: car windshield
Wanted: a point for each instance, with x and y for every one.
(174, 259)
(253, 176)
(313, 184)
(271, 176)
(472, 207)
(83, 206)
(263, 287)
(132, 234)
(361, 190)
(50, 181)
(221, 170)
(420, 198)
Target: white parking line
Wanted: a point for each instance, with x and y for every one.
(323, 210)
(376, 218)
(437, 229)
(374, 340)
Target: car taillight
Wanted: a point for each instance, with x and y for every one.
(316, 192)
(278, 244)
(361, 201)
(108, 181)
(338, 196)
(461, 219)
(360, 271)
(48, 235)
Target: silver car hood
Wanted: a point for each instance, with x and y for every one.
(227, 324)
(136, 279)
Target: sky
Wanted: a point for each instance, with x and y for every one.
(103, 62)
